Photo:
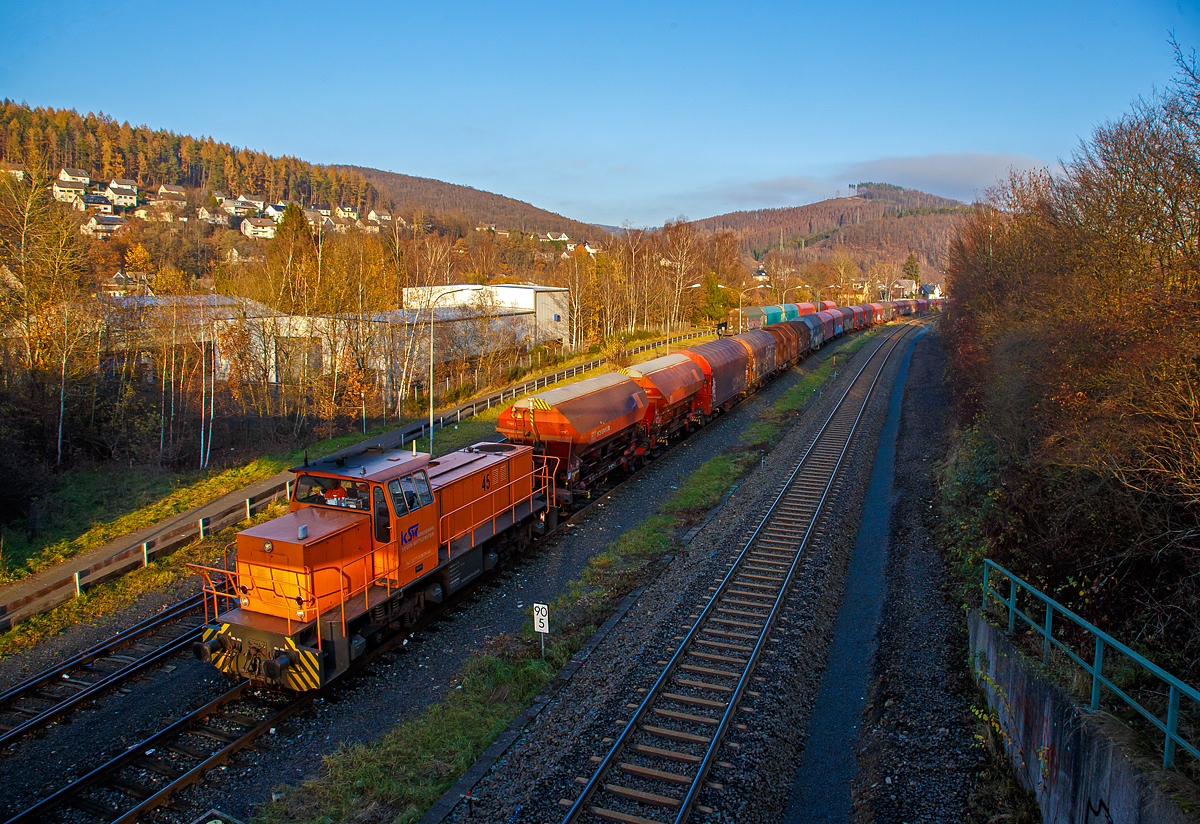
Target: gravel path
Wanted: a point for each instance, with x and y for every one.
(396, 687)
(917, 758)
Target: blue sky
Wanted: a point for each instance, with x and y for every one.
(615, 112)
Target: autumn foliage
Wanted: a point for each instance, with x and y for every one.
(1075, 346)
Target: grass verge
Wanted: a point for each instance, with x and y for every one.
(398, 776)
(119, 501)
(108, 599)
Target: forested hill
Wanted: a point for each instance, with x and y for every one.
(902, 214)
(105, 149)
(481, 207)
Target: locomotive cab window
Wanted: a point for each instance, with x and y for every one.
(410, 492)
(422, 482)
(404, 493)
(331, 492)
(383, 518)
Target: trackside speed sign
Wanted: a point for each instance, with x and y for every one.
(541, 618)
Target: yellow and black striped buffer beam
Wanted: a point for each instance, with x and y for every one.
(538, 403)
(305, 672)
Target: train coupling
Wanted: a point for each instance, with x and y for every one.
(205, 650)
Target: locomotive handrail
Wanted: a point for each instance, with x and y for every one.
(509, 484)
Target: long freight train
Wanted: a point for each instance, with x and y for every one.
(374, 537)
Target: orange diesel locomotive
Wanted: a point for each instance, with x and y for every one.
(371, 538)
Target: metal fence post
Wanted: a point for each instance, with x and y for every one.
(78, 591)
(249, 511)
(1012, 601)
(1046, 637)
(146, 554)
(1097, 663)
(201, 524)
(1172, 725)
(986, 587)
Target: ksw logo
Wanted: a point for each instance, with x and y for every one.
(408, 535)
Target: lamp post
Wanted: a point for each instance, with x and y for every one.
(785, 291)
(740, 296)
(432, 303)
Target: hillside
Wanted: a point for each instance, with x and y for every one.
(482, 207)
(881, 223)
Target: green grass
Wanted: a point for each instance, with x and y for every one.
(398, 776)
(409, 767)
(108, 599)
(95, 506)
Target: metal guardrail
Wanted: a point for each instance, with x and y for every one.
(134, 557)
(1044, 626)
(140, 555)
(419, 429)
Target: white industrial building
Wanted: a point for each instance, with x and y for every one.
(546, 305)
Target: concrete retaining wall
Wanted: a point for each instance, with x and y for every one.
(1078, 774)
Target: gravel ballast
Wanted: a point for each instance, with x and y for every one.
(396, 687)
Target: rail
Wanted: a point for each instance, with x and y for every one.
(724, 644)
(141, 554)
(1047, 609)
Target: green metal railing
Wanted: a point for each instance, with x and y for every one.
(1045, 627)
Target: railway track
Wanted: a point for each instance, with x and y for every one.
(659, 765)
(146, 776)
(60, 690)
(150, 774)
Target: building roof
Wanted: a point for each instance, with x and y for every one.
(70, 184)
(77, 173)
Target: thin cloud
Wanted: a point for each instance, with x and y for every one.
(778, 191)
(963, 176)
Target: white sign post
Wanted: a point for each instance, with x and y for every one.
(541, 623)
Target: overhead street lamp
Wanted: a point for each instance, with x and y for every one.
(432, 303)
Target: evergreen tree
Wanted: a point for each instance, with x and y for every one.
(912, 269)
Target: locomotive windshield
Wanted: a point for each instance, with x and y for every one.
(311, 489)
(410, 492)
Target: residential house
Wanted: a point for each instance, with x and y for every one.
(217, 217)
(239, 208)
(126, 283)
(930, 291)
(902, 288)
(103, 226)
(96, 203)
(65, 191)
(75, 176)
(257, 202)
(167, 188)
(380, 216)
(592, 248)
(322, 210)
(348, 212)
(219, 197)
(155, 212)
(122, 193)
(341, 225)
(371, 227)
(258, 227)
(171, 201)
(14, 169)
(318, 222)
(554, 237)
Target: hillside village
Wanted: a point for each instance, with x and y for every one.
(109, 205)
